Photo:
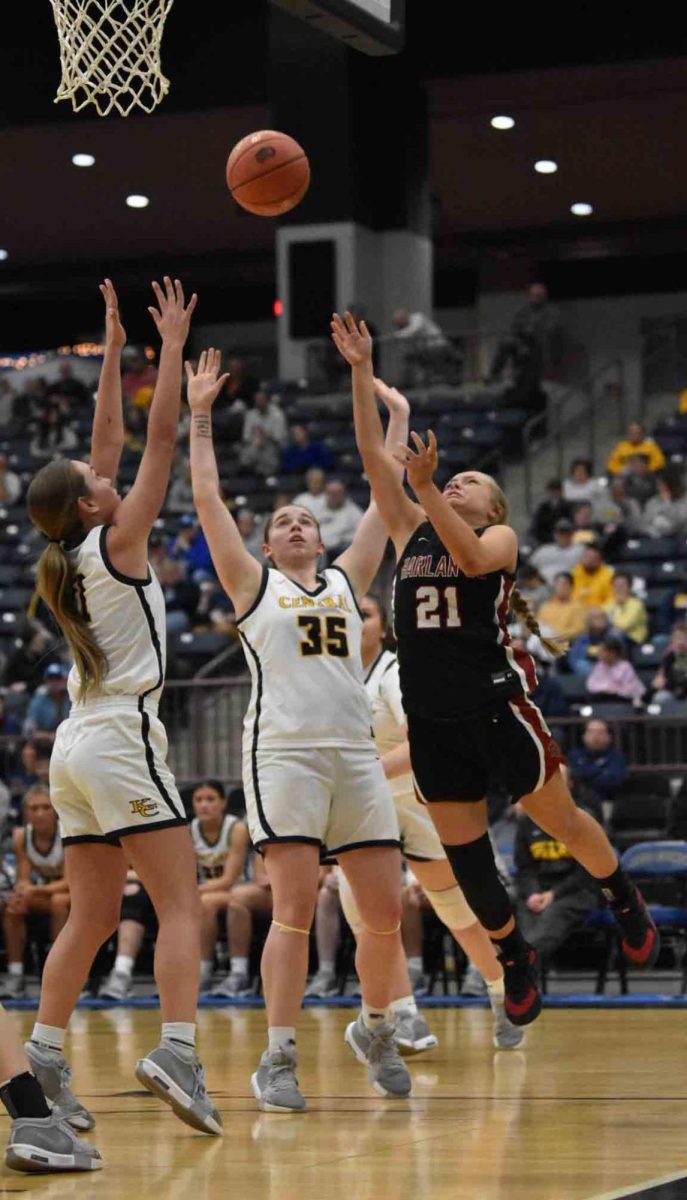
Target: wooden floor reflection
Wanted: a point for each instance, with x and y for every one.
(596, 1102)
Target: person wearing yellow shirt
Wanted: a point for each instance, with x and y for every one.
(561, 613)
(592, 579)
(627, 612)
(635, 442)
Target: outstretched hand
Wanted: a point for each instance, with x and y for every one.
(421, 463)
(205, 383)
(173, 315)
(394, 400)
(352, 341)
(115, 334)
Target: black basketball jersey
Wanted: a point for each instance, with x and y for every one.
(454, 653)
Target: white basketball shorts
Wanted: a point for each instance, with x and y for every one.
(419, 838)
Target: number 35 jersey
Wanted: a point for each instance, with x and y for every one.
(454, 653)
(303, 650)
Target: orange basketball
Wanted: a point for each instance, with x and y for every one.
(268, 173)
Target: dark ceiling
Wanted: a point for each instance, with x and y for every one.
(607, 101)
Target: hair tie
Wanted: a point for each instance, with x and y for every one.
(54, 541)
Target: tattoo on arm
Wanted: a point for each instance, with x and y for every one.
(203, 425)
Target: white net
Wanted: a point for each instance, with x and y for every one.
(110, 53)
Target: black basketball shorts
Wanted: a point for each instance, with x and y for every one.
(457, 760)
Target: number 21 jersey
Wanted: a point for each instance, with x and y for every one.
(454, 654)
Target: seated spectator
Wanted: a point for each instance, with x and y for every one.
(585, 528)
(554, 507)
(246, 902)
(670, 681)
(33, 767)
(531, 586)
(232, 402)
(340, 518)
(221, 843)
(25, 666)
(301, 453)
(585, 649)
(314, 498)
(666, 513)
(52, 432)
(135, 429)
(251, 535)
(139, 376)
(137, 918)
(559, 555)
(10, 484)
(615, 510)
(66, 384)
(241, 384)
(40, 887)
(597, 768)
(50, 705)
(260, 455)
(592, 578)
(639, 479)
(328, 918)
(266, 414)
(635, 442)
(182, 595)
(581, 484)
(190, 546)
(565, 616)
(180, 494)
(612, 677)
(673, 606)
(627, 612)
(555, 893)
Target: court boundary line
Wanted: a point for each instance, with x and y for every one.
(624, 1194)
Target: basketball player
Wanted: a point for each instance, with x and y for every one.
(136, 919)
(246, 902)
(40, 887)
(113, 792)
(312, 778)
(422, 848)
(221, 842)
(465, 692)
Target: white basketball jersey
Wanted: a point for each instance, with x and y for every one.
(127, 617)
(45, 866)
(389, 721)
(303, 650)
(211, 856)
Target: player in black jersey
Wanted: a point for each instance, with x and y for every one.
(465, 691)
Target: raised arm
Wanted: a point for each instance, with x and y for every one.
(238, 571)
(398, 513)
(127, 540)
(108, 422)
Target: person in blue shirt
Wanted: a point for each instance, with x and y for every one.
(301, 454)
(597, 768)
(50, 705)
(583, 652)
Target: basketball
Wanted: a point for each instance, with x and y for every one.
(268, 173)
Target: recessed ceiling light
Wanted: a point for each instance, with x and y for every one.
(545, 166)
(502, 122)
(581, 210)
(83, 160)
(3, 255)
(137, 201)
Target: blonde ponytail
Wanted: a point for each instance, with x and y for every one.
(518, 605)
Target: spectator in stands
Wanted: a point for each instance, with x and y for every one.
(138, 377)
(314, 498)
(10, 484)
(612, 677)
(592, 578)
(626, 611)
(10, 725)
(564, 615)
(428, 351)
(585, 649)
(250, 533)
(157, 550)
(531, 586)
(68, 385)
(670, 681)
(640, 481)
(52, 432)
(180, 495)
(246, 902)
(666, 513)
(597, 768)
(340, 518)
(618, 513)
(27, 662)
(534, 333)
(553, 508)
(635, 443)
(585, 528)
(555, 894)
(135, 429)
(261, 455)
(580, 484)
(301, 453)
(50, 705)
(241, 384)
(673, 607)
(559, 555)
(233, 401)
(190, 546)
(266, 414)
(181, 595)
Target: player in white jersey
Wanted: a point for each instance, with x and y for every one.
(109, 781)
(40, 886)
(311, 775)
(221, 843)
(421, 846)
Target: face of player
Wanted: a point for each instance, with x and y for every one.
(294, 539)
(40, 813)
(208, 806)
(373, 628)
(103, 499)
(470, 494)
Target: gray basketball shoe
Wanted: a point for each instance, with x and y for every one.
(174, 1073)
(233, 985)
(412, 1034)
(117, 986)
(321, 985)
(506, 1036)
(55, 1076)
(274, 1084)
(13, 987)
(386, 1070)
(48, 1144)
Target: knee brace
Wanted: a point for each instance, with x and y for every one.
(352, 915)
(452, 908)
(475, 870)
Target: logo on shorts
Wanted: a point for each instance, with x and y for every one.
(144, 808)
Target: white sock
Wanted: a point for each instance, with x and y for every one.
(372, 1017)
(15, 969)
(415, 963)
(124, 964)
(326, 967)
(280, 1037)
(239, 965)
(179, 1031)
(405, 1004)
(495, 988)
(48, 1035)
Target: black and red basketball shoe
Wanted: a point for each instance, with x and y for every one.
(641, 939)
(522, 999)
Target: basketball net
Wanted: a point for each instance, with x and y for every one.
(110, 53)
